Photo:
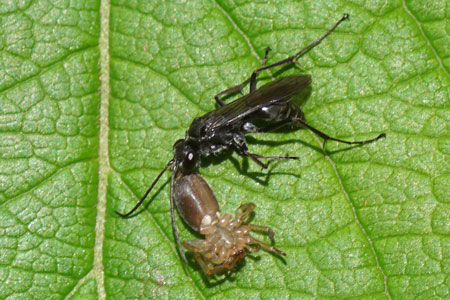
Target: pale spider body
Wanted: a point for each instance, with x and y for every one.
(226, 239)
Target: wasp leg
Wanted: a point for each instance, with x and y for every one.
(291, 59)
(295, 117)
(302, 123)
(234, 89)
(239, 87)
(298, 122)
(257, 156)
(256, 160)
(240, 145)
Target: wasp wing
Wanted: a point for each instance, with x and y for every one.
(282, 89)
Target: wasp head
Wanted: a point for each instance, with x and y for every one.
(185, 155)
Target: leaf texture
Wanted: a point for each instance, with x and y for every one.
(94, 94)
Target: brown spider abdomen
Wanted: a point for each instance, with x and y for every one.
(195, 200)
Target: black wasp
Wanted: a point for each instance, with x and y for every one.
(224, 128)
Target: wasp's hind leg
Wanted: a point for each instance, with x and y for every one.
(297, 122)
(290, 114)
(291, 59)
(239, 87)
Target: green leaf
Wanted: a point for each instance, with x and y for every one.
(94, 94)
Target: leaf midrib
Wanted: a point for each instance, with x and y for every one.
(103, 155)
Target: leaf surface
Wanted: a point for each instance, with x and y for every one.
(94, 94)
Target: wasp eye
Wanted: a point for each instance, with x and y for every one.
(190, 156)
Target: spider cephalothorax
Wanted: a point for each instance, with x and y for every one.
(227, 240)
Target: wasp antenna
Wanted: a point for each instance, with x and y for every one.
(147, 192)
(172, 214)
